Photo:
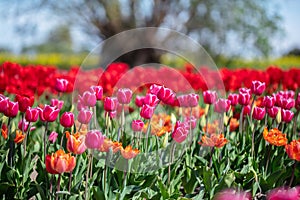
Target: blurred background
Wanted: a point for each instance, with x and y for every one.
(238, 33)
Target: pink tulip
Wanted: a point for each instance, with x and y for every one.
(154, 89)
(110, 104)
(12, 109)
(258, 87)
(183, 101)
(94, 139)
(287, 103)
(269, 101)
(32, 114)
(48, 114)
(85, 116)
(297, 102)
(222, 105)
(98, 91)
(286, 115)
(137, 125)
(89, 99)
(230, 194)
(57, 103)
(151, 100)
(233, 98)
(258, 113)
(147, 111)
(244, 96)
(166, 95)
(193, 99)
(53, 136)
(287, 94)
(278, 98)
(139, 101)
(113, 114)
(3, 103)
(210, 97)
(272, 112)
(67, 119)
(284, 194)
(180, 132)
(191, 121)
(61, 85)
(124, 95)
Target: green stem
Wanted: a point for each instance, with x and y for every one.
(58, 186)
(171, 161)
(147, 134)
(293, 174)
(11, 144)
(87, 177)
(45, 141)
(241, 120)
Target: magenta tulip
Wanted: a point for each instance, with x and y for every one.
(258, 113)
(139, 101)
(12, 109)
(244, 96)
(61, 85)
(53, 136)
(233, 98)
(272, 112)
(151, 100)
(166, 95)
(284, 194)
(258, 87)
(98, 91)
(110, 104)
(210, 97)
(67, 119)
(193, 100)
(269, 101)
(89, 99)
(3, 103)
(222, 105)
(137, 125)
(48, 114)
(124, 95)
(154, 89)
(286, 115)
(147, 111)
(57, 103)
(32, 114)
(287, 103)
(183, 101)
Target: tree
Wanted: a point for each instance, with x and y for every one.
(216, 24)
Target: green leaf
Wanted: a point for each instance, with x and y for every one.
(146, 193)
(163, 189)
(97, 193)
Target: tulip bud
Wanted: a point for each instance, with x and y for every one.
(268, 101)
(32, 114)
(94, 139)
(286, 115)
(52, 137)
(210, 97)
(147, 111)
(98, 90)
(124, 95)
(57, 103)
(137, 125)
(110, 104)
(67, 119)
(258, 113)
(12, 109)
(244, 96)
(258, 87)
(85, 116)
(233, 98)
(61, 85)
(89, 99)
(139, 101)
(180, 132)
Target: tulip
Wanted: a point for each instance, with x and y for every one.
(183, 101)
(166, 95)
(98, 90)
(147, 111)
(268, 101)
(258, 87)
(67, 119)
(113, 114)
(230, 194)
(258, 113)
(12, 109)
(191, 121)
(24, 102)
(222, 105)
(3, 103)
(60, 162)
(244, 96)
(287, 103)
(53, 136)
(272, 112)
(94, 139)
(124, 95)
(151, 100)
(48, 114)
(61, 85)
(108, 144)
(297, 102)
(286, 115)
(128, 152)
(215, 140)
(76, 143)
(137, 125)
(89, 99)
(287, 94)
(192, 100)
(25, 124)
(180, 132)
(32, 114)
(57, 103)
(210, 97)
(85, 116)
(154, 89)
(275, 137)
(110, 104)
(19, 137)
(4, 131)
(233, 98)
(278, 98)
(293, 150)
(284, 194)
(247, 110)
(139, 101)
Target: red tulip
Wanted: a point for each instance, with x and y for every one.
(48, 114)
(268, 101)
(137, 125)
(61, 85)
(286, 115)
(94, 139)
(258, 113)
(98, 90)
(12, 109)
(110, 104)
(147, 111)
(210, 97)
(233, 98)
(85, 116)
(24, 102)
(124, 95)
(258, 87)
(67, 119)
(247, 110)
(32, 114)
(180, 132)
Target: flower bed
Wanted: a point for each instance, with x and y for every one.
(156, 142)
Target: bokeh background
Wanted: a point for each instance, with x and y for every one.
(236, 33)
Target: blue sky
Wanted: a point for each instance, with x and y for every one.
(289, 10)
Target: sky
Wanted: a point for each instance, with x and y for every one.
(289, 10)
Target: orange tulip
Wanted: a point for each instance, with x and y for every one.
(116, 146)
(4, 131)
(215, 140)
(129, 153)
(212, 128)
(75, 143)
(275, 137)
(234, 124)
(160, 124)
(19, 137)
(293, 150)
(60, 162)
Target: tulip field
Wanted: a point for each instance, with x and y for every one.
(117, 133)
